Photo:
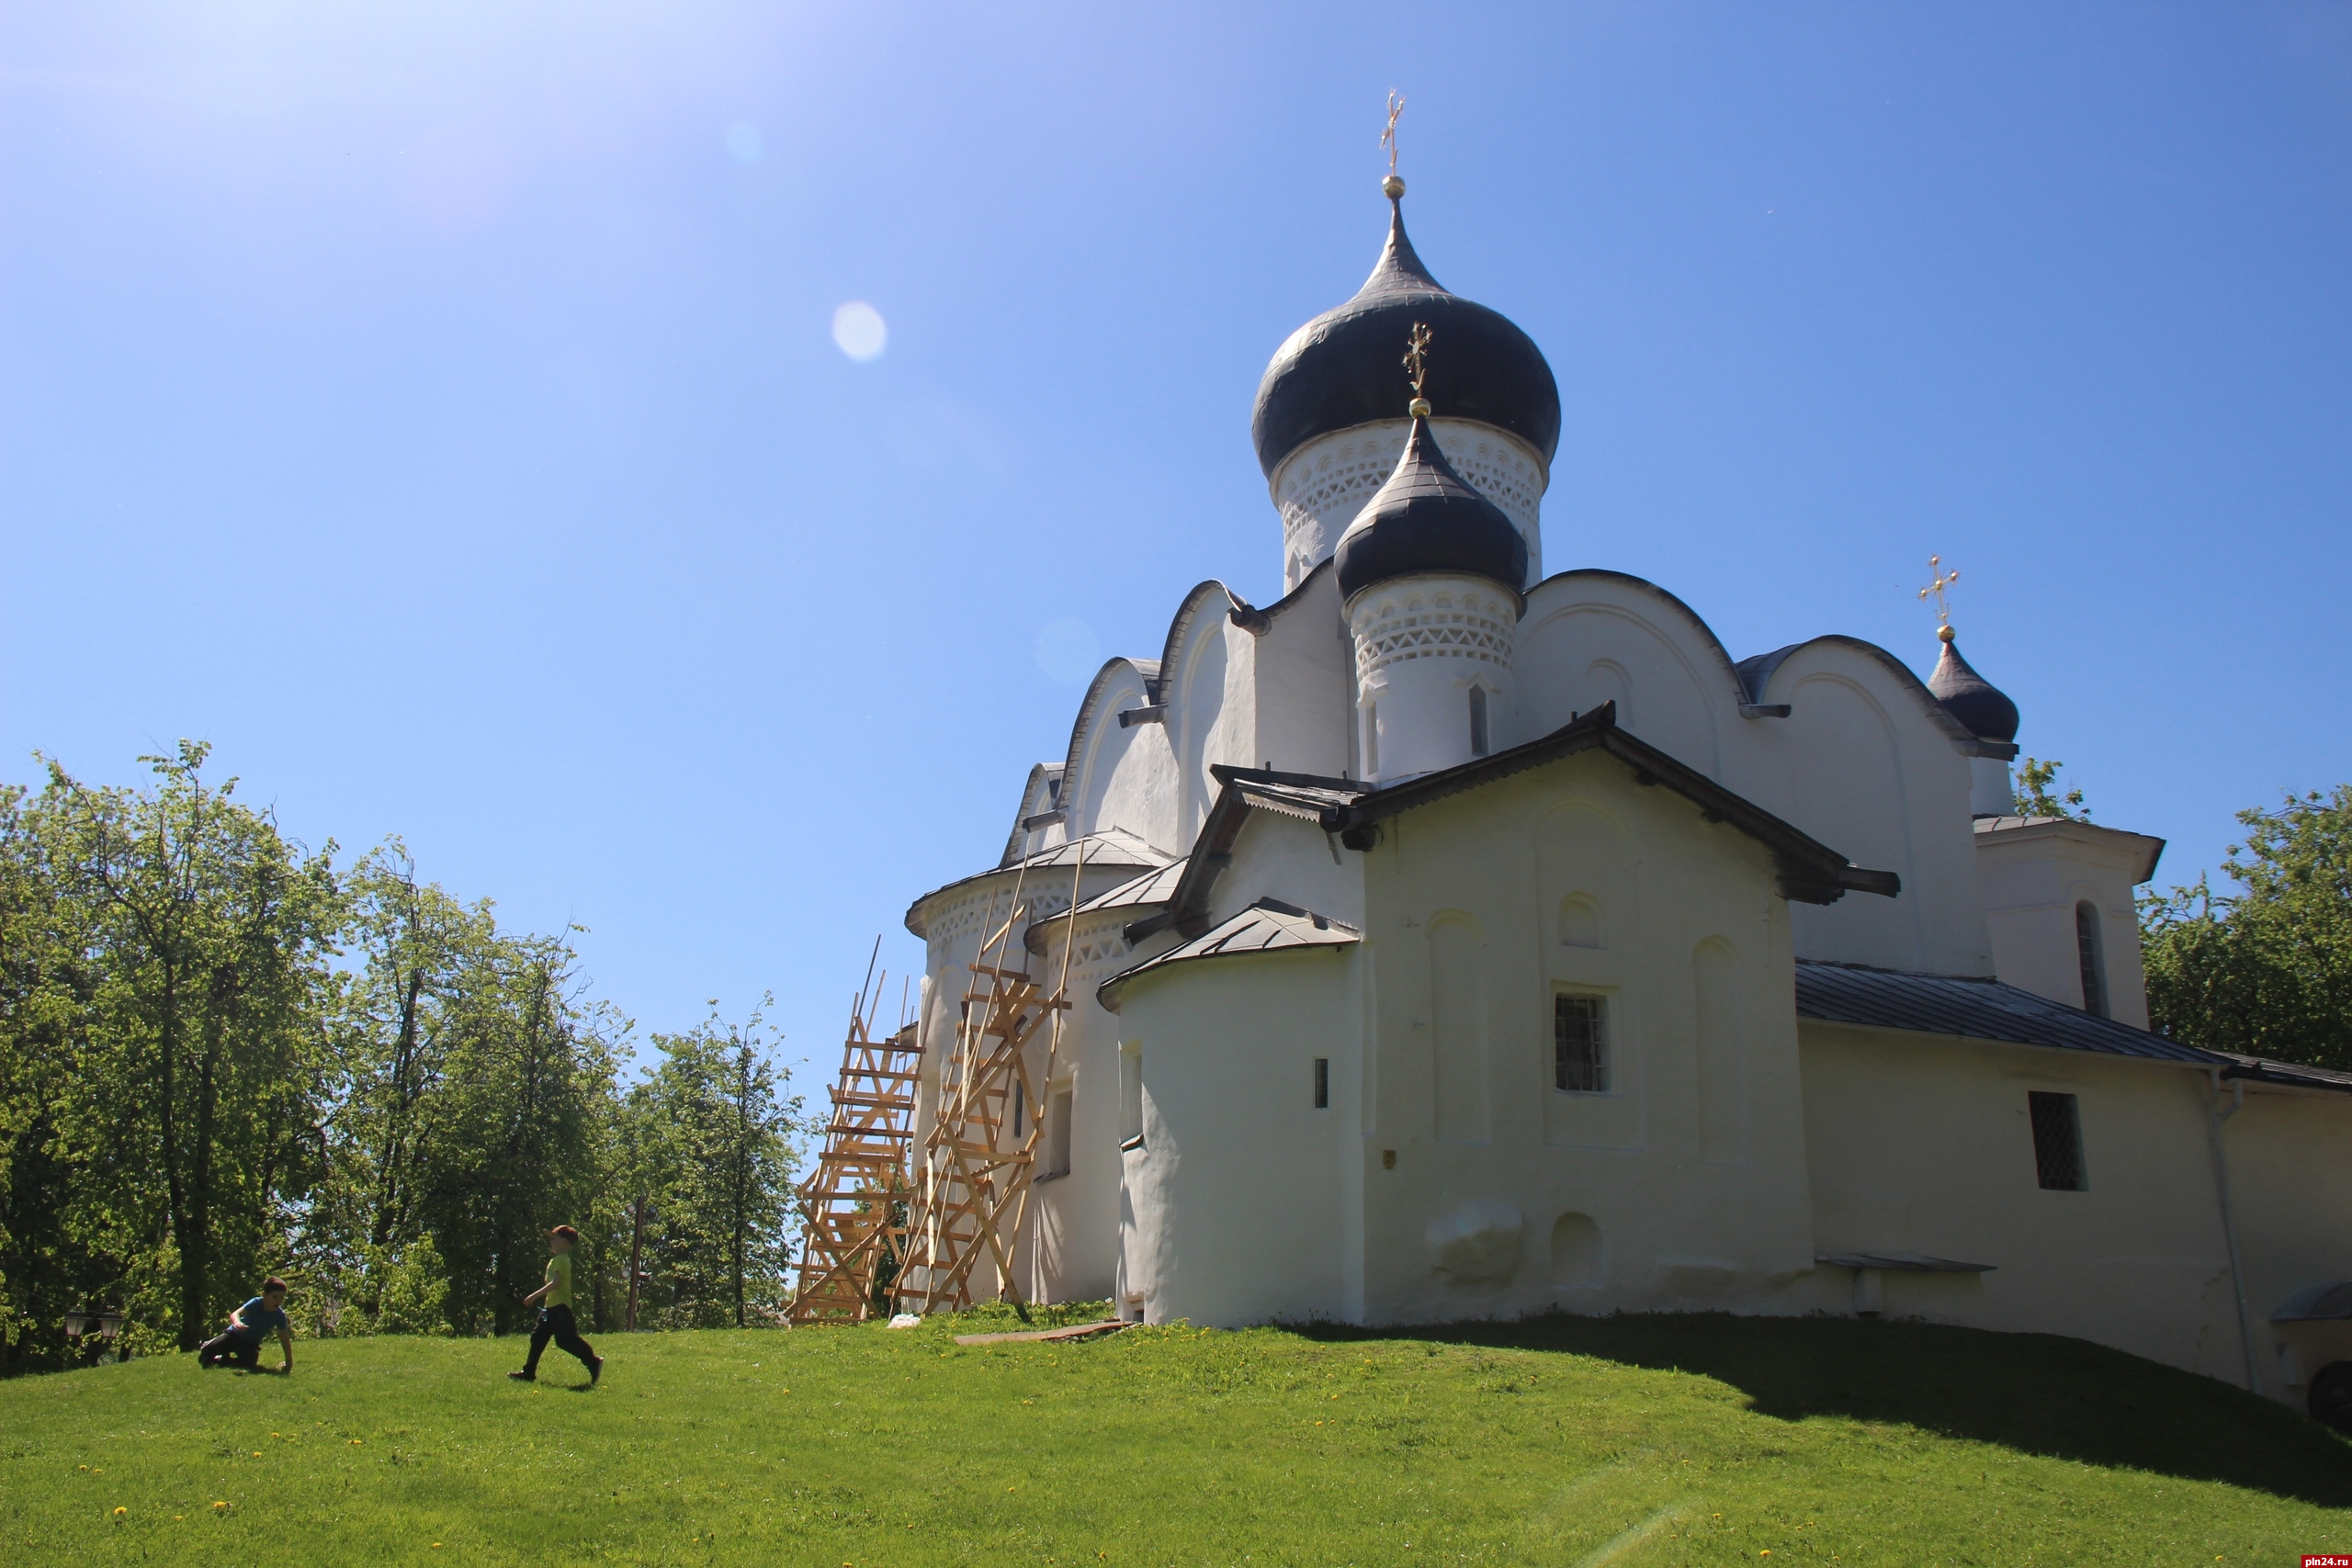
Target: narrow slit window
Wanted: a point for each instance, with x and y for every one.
(1479, 746)
(1058, 1138)
(1020, 1113)
(1130, 1094)
(2057, 1141)
(1322, 1083)
(2087, 953)
(1371, 741)
(1579, 1044)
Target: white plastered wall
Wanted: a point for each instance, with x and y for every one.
(2284, 1148)
(1860, 763)
(2034, 874)
(1681, 1219)
(1236, 1204)
(1924, 1143)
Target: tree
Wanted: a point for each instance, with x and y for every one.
(205, 936)
(713, 1136)
(2265, 971)
(2037, 795)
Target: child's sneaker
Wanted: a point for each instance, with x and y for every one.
(524, 1377)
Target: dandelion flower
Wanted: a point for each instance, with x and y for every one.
(220, 1508)
(120, 1512)
(256, 1454)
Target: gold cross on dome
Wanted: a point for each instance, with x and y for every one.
(1416, 352)
(1388, 137)
(1943, 579)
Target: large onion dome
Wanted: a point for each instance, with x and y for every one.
(1982, 706)
(1339, 370)
(1425, 519)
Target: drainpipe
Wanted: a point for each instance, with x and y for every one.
(2228, 1220)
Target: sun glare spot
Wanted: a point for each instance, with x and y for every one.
(859, 332)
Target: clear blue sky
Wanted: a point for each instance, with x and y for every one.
(436, 406)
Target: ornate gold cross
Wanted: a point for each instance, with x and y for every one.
(1416, 352)
(1388, 137)
(1943, 579)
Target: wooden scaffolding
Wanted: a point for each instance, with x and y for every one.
(972, 1185)
(854, 1203)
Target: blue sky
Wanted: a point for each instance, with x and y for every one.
(436, 406)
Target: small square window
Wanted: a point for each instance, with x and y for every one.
(2057, 1142)
(1581, 1044)
(1322, 1083)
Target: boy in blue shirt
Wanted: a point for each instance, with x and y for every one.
(248, 1327)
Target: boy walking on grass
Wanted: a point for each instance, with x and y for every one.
(248, 1327)
(554, 1302)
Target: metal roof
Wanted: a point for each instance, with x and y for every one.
(1113, 849)
(2291, 1074)
(1979, 1010)
(1267, 926)
(1150, 890)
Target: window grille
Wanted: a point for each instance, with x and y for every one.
(1579, 1044)
(1322, 1083)
(2086, 953)
(2057, 1141)
(1477, 721)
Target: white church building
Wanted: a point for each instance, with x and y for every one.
(1455, 939)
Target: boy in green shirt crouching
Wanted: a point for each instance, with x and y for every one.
(554, 1302)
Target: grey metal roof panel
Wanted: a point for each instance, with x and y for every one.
(2292, 1075)
(1979, 1010)
(1268, 926)
(1152, 887)
(1114, 847)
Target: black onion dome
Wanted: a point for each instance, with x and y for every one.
(1340, 369)
(1972, 699)
(1424, 518)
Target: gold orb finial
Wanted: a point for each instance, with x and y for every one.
(1392, 188)
(1944, 633)
(1419, 408)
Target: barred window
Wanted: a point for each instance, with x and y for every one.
(1581, 1044)
(2057, 1141)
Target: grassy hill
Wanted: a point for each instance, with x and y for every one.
(1637, 1441)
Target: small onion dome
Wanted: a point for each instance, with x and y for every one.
(1340, 369)
(1423, 518)
(1969, 697)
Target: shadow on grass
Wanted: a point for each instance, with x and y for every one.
(2037, 1393)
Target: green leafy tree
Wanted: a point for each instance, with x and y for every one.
(2265, 971)
(2037, 794)
(519, 1136)
(200, 1073)
(714, 1135)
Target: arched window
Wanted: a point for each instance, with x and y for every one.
(2086, 951)
(1478, 721)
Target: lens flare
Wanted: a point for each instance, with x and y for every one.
(859, 332)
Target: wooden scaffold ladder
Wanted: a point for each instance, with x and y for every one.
(853, 1203)
(972, 1188)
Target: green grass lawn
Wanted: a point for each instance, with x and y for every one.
(1635, 1440)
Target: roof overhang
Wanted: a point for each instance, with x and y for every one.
(1804, 869)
